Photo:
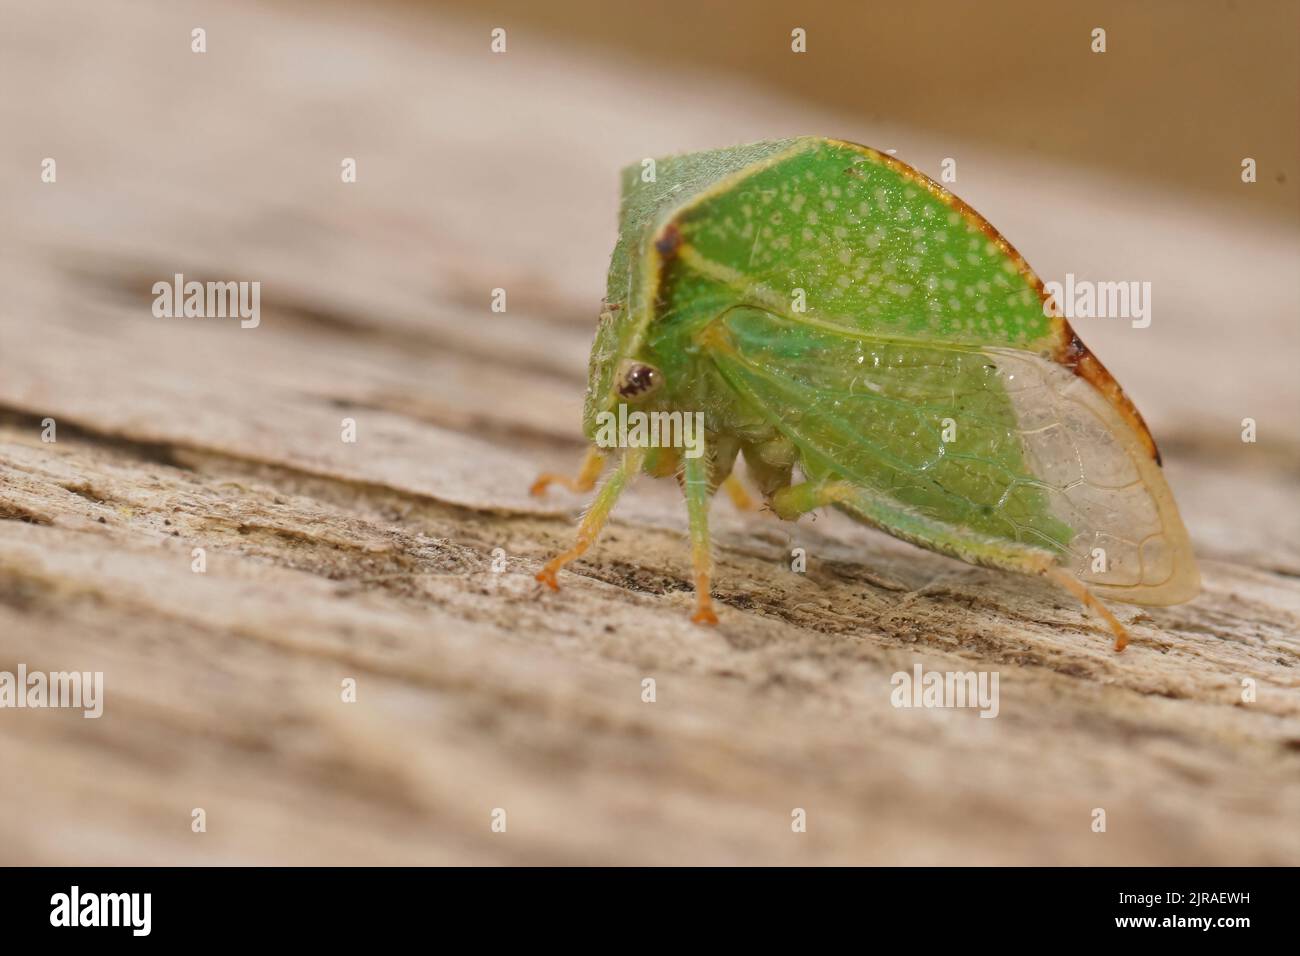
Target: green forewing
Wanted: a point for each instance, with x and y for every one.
(875, 413)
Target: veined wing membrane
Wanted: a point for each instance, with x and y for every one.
(997, 446)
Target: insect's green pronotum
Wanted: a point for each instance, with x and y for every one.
(826, 307)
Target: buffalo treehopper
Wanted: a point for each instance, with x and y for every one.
(832, 313)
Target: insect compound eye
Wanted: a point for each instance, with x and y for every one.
(637, 380)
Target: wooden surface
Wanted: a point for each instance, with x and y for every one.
(372, 560)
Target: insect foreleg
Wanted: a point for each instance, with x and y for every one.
(595, 517)
(698, 496)
(585, 480)
(662, 462)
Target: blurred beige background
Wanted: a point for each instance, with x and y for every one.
(1185, 89)
(373, 560)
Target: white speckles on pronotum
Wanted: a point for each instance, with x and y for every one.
(867, 244)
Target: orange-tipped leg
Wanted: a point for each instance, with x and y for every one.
(595, 517)
(738, 495)
(585, 480)
(1076, 587)
(697, 509)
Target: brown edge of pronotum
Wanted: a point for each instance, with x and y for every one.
(1068, 350)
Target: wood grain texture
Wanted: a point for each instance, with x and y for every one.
(372, 560)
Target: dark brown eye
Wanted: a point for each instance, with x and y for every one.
(638, 380)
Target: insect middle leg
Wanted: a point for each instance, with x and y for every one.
(595, 518)
(737, 493)
(592, 465)
(698, 497)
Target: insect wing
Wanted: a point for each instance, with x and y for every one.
(902, 344)
(995, 456)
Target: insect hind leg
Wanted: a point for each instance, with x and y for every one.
(1091, 602)
(795, 500)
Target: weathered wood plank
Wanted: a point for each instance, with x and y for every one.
(372, 560)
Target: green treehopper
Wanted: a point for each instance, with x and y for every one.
(821, 306)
